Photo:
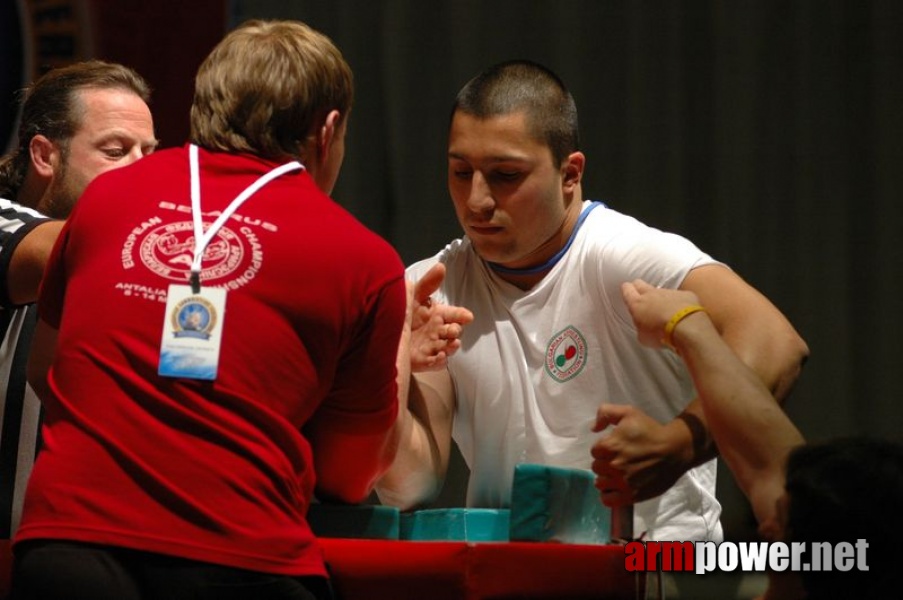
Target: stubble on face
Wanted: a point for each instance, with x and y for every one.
(506, 189)
(63, 191)
(115, 129)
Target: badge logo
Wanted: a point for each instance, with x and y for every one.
(193, 317)
(167, 251)
(566, 354)
(231, 260)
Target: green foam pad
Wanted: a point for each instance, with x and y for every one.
(557, 504)
(468, 524)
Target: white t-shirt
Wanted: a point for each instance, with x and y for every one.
(535, 365)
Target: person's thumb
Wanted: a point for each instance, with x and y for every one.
(429, 283)
(629, 291)
(610, 414)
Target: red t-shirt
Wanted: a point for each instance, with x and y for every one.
(218, 471)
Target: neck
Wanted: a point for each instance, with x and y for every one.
(552, 252)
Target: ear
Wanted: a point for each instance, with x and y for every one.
(45, 156)
(327, 134)
(572, 171)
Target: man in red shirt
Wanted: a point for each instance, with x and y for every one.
(217, 354)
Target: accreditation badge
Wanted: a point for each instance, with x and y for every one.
(192, 332)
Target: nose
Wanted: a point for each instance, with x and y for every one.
(480, 199)
(135, 153)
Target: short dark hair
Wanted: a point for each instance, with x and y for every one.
(523, 85)
(50, 108)
(841, 491)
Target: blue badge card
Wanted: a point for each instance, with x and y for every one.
(192, 332)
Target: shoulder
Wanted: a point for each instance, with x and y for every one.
(619, 231)
(16, 221)
(14, 214)
(625, 247)
(456, 254)
(458, 257)
(339, 242)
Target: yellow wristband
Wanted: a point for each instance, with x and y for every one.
(677, 318)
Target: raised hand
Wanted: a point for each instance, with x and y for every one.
(435, 328)
(652, 308)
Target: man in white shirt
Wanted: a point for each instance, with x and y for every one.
(540, 267)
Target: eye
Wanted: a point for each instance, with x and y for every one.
(114, 151)
(506, 175)
(460, 170)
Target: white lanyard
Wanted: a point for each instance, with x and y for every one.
(202, 238)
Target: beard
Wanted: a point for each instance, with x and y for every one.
(61, 195)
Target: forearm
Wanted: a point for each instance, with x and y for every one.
(753, 332)
(409, 480)
(349, 461)
(415, 477)
(749, 428)
(41, 357)
(735, 410)
(776, 355)
(423, 428)
(754, 329)
(770, 366)
(26, 267)
(348, 465)
(691, 432)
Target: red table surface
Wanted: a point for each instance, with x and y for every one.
(377, 569)
(396, 570)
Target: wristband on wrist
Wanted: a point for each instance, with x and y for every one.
(677, 318)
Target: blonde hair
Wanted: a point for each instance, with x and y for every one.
(266, 87)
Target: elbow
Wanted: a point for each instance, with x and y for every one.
(347, 466)
(802, 355)
(389, 497)
(407, 492)
(796, 353)
(401, 501)
(798, 348)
